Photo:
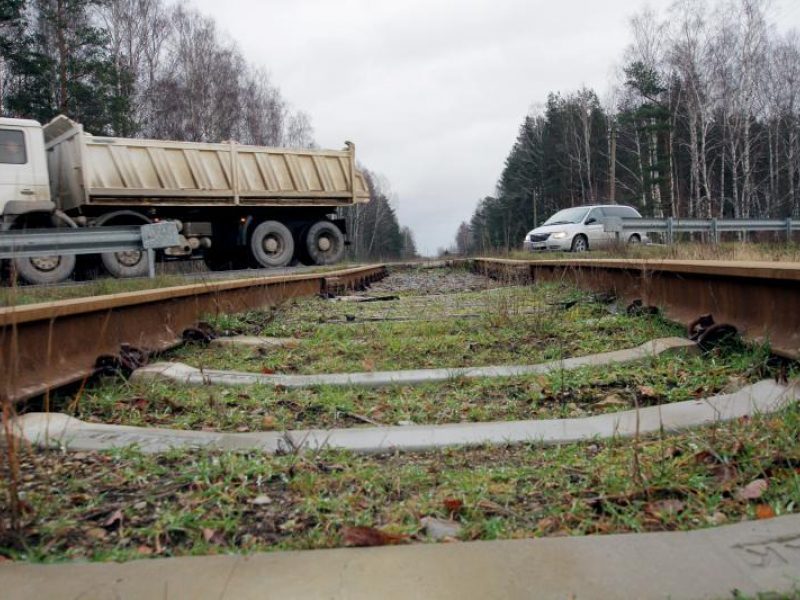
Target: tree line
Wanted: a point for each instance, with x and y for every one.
(154, 69)
(703, 121)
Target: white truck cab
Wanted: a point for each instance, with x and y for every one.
(24, 181)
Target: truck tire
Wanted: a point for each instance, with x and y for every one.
(271, 244)
(45, 269)
(324, 243)
(125, 264)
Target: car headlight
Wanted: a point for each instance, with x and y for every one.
(559, 235)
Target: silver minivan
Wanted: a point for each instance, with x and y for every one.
(580, 228)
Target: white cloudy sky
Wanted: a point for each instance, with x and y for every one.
(432, 91)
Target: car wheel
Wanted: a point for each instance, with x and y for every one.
(580, 243)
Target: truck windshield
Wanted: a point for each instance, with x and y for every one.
(568, 215)
(12, 147)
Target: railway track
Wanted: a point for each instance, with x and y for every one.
(49, 345)
(758, 300)
(46, 346)
(438, 403)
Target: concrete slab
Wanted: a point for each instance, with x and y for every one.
(750, 557)
(252, 341)
(181, 373)
(764, 397)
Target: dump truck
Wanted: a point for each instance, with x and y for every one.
(235, 205)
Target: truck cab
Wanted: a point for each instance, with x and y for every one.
(24, 181)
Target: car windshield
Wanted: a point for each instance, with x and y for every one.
(568, 215)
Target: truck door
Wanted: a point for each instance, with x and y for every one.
(17, 174)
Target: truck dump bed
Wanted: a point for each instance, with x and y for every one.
(86, 169)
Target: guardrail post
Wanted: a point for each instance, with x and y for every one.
(670, 231)
(151, 263)
(788, 230)
(714, 231)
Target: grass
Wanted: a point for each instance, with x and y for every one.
(124, 505)
(561, 394)
(495, 326)
(18, 295)
(739, 251)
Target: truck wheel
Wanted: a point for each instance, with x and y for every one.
(45, 269)
(324, 243)
(126, 264)
(271, 244)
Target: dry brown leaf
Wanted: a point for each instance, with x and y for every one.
(269, 422)
(647, 391)
(764, 511)
(724, 475)
(753, 490)
(144, 550)
(668, 507)
(369, 536)
(114, 519)
(368, 364)
(490, 508)
(97, 533)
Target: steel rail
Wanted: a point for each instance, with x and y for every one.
(49, 345)
(760, 299)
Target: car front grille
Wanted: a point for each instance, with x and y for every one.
(538, 237)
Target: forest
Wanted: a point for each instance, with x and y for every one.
(156, 69)
(702, 120)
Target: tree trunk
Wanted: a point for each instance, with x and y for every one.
(61, 41)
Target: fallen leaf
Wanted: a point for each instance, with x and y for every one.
(212, 536)
(269, 422)
(261, 500)
(242, 429)
(490, 508)
(764, 511)
(724, 475)
(546, 524)
(267, 371)
(718, 518)
(369, 536)
(610, 401)
(97, 533)
(115, 519)
(144, 550)
(368, 364)
(453, 505)
(753, 490)
(665, 508)
(647, 391)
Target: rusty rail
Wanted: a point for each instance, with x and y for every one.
(761, 300)
(49, 345)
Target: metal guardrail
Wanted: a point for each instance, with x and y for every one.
(46, 242)
(714, 227)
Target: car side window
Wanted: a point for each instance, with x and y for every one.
(12, 147)
(595, 214)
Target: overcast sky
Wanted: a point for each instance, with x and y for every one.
(432, 92)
